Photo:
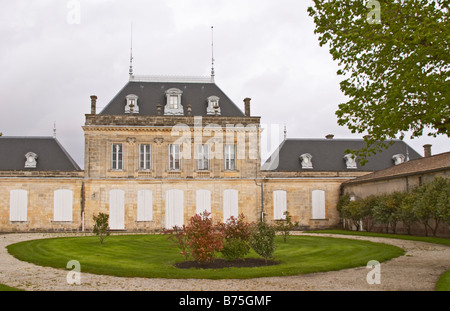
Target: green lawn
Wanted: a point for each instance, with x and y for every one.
(444, 282)
(152, 256)
(5, 288)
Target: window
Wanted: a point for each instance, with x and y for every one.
(18, 202)
(144, 157)
(279, 204)
(62, 205)
(203, 201)
(306, 160)
(116, 209)
(318, 204)
(230, 204)
(132, 104)
(173, 105)
(145, 205)
(230, 157)
(173, 102)
(117, 157)
(213, 106)
(202, 157)
(174, 157)
(174, 208)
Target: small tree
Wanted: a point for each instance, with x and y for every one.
(406, 210)
(263, 240)
(101, 226)
(285, 225)
(236, 233)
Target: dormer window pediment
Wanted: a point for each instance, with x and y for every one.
(31, 161)
(350, 161)
(306, 160)
(132, 104)
(398, 159)
(213, 105)
(173, 105)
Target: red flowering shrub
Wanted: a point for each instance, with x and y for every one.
(237, 234)
(200, 239)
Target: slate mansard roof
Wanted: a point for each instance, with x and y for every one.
(51, 154)
(328, 155)
(151, 92)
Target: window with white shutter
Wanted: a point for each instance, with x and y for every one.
(203, 201)
(279, 204)
(230, 204)
(18, 204)
(62, 205)
(145, 205)
(318, 204)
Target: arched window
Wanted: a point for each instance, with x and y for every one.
(145, 205)
(230, 204)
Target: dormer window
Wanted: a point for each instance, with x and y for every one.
(173, 105)
(306, 160)
(350, 161)
(213, 106)
(398, 159)
(31, 161)
(132, 105)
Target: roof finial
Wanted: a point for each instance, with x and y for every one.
(212, 54)
(131, 53)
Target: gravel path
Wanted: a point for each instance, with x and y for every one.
(419, 269)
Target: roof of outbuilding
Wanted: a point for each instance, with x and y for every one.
(151, 93)
(328, 155)
(418, 166)
(51, 154)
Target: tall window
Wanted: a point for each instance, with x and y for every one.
(117, 157)
(144, 157)
(230, 157)
(174, 157)
(202, 157)
(279, 204)
(18, 203)
(63, 205)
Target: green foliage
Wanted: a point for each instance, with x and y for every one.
(236, 233)
(263, 240)
(395, 73)
(428, 204)
(285, 225)
(101, 226)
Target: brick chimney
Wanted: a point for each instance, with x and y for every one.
(427, 150)
(329, 136)
(247, 106)
(93, 104)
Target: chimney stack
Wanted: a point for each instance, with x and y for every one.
(93, 104)
(329, 136)
(247, 106)
(427, 150)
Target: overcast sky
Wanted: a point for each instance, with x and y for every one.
(53, 57)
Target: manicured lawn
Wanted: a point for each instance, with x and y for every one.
(5, 288)
(444, 282)
(153, 256)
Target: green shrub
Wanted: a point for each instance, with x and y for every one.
(101, 226)
(285, 225)
(236, 233)
(263, 240)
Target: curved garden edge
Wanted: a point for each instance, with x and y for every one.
(418, 269)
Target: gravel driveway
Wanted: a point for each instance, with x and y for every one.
(419, 269)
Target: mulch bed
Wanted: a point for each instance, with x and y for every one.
(222, 263)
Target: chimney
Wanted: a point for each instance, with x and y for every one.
(247, 106)
(329, 136)
(93, 104)
(427, 150)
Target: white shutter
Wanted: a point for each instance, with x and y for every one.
(203, 200)
(279, 204)
(318, 204)
(145, 205)
(117, 210)
(174, 208)
(18, 202)
(230, 204)
(62, 205)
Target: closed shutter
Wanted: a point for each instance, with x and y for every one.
(318, 204)
(117, 210)
(203, 200)
(145, 205)
(18, 204)
(62, 205)
(279, 204)
(230, 204)
(174, 208)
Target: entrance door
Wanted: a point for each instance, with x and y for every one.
(117, 210)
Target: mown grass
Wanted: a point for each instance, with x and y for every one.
(5, 288)
(153, 256)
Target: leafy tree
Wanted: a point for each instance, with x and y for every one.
(101, 226)
(263, 240)
(395, 67)
(406, 210)
(285, 225)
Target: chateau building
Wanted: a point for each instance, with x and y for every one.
(166, 148)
